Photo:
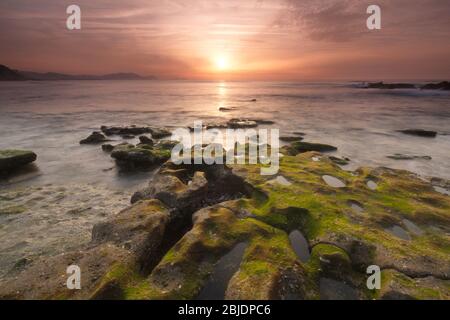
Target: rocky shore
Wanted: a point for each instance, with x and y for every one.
(190, 218)
(444, 85)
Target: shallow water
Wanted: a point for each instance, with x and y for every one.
(399, 232)
(355, 205)
(217, 284)
(333, 182)
(281, 180)
(300, 245)
(412, 227)
(51, 117)
(442, 190)
(372, 185)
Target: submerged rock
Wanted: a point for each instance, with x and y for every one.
(302, 147)
(340, 161)
(95, 138)
(224, 109)
(241, 123)
(125, 130)
(107, 147)
(399, 156)
(146, 140)
(419, 133)
(290, 139)
(263, 121)
(381, 85)
(159, 133)
(14, 159)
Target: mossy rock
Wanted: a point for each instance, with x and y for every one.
(13, 159)
(300, 147)
(131, 157)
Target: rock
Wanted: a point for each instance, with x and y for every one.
(397, 286)
(381, 85)
(45, 279)
(444, 85)
(107, 147)
(159, 133)
(299, 133)
(263, 121)
(127, 136)
(399, 156)
(146, 140)
(241, 123)
(196, 214)
(224, 109)
(191, 187)
(124, 247)
(301, 147)
(12, 210)
(419, 133)
(167, 144)
(14, 159)
(290, 139)
(131, 157)
(141, 229)
(94, 138)
(339, 161)
(125, 130)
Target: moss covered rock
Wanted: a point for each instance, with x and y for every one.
(13, 159)
(300, 147)
(128, 156)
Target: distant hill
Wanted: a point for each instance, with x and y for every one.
(7, 74)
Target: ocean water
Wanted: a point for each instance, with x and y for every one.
(71, 186)
(51, 117)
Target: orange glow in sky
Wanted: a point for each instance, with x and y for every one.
(231, 39)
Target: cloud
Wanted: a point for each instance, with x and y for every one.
(178, 38)
(345, 20)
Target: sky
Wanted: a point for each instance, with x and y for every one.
(275, 40)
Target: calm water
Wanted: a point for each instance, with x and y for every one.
(51, 117)
(73, 187)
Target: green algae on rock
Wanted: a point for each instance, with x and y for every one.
(13, 159)
(300, 147)
(130, 157)
(343, 242)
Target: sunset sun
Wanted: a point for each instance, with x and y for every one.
(222, 63)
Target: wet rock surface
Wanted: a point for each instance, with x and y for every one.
(132, 157)
(42, 221)
(419, 133)
(382, 85)
(181, 228)
(302, 147)
(95, 138)
(444, 85)
(11, 160)
(399, 156)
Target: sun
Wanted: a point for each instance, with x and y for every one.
(222, 63)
